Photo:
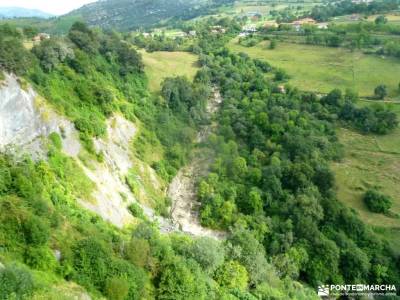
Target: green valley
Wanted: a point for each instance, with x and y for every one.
(201, 150)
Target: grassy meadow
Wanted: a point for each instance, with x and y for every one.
(159, 65)
(322, 69)
(371, 161)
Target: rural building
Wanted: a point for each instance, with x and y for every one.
(305, 21)
(354, 17)
(192, 32)
(270, 24)
(323, 25)
(41, 37)
(250, 28)
(218, 29)
(281, 89)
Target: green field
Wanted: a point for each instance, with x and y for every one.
(159, 65)
(322, 69)
(371, 161)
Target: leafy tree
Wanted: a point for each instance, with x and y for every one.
(380, 91)
(381, 20)
(208, 252)
(83, 37)
(91, 261)
(36, 232)
(51, 52)
(377, 202)
(232, 275)
(16, 282)
(138, 252)
(13, 56)
(281, 75)
(272, 44)
(117, 288)
(177, 281)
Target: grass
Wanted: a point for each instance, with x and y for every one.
(371, 161)
(159, 65)
(321, 69)
(365, 166)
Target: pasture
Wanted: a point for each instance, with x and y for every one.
(321, 69)
(159, 65)
(371, 161)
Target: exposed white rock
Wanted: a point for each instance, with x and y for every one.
(25, 118)
(112, 194)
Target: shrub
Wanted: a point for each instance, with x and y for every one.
(232, 275)
(91, 261)
(380, 92)
(56, 140)
(36, 231)
(136, 210)
(15, 282)
(40, 258)
(377, 202)
(116, 288)
(138, 252)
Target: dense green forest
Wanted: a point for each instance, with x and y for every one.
(270, 187)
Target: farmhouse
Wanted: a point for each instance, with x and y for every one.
(305, 21)
(271, 24)
(218, 29)
(323, 25)
(249, 28)
(41, 37)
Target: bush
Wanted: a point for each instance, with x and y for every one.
(136, 210)
(56, 140)
(15, 282)
(232, 275)
(36, 231)
(91, 261)
(380, 92)
(117, 288)
(138, 252)
(377, 202)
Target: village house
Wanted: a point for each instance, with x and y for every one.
(271, 24)
(323, 25)
(41, 37)
(192, 32)
(217, 29)
(247, 30)
(281, 89)
(305, 21)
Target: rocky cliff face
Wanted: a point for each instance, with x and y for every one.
(26, 120)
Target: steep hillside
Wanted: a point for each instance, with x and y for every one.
(131, 14)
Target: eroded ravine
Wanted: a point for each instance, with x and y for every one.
(182, 189)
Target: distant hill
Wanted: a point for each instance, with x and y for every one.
(20, 12)
(132, 14)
